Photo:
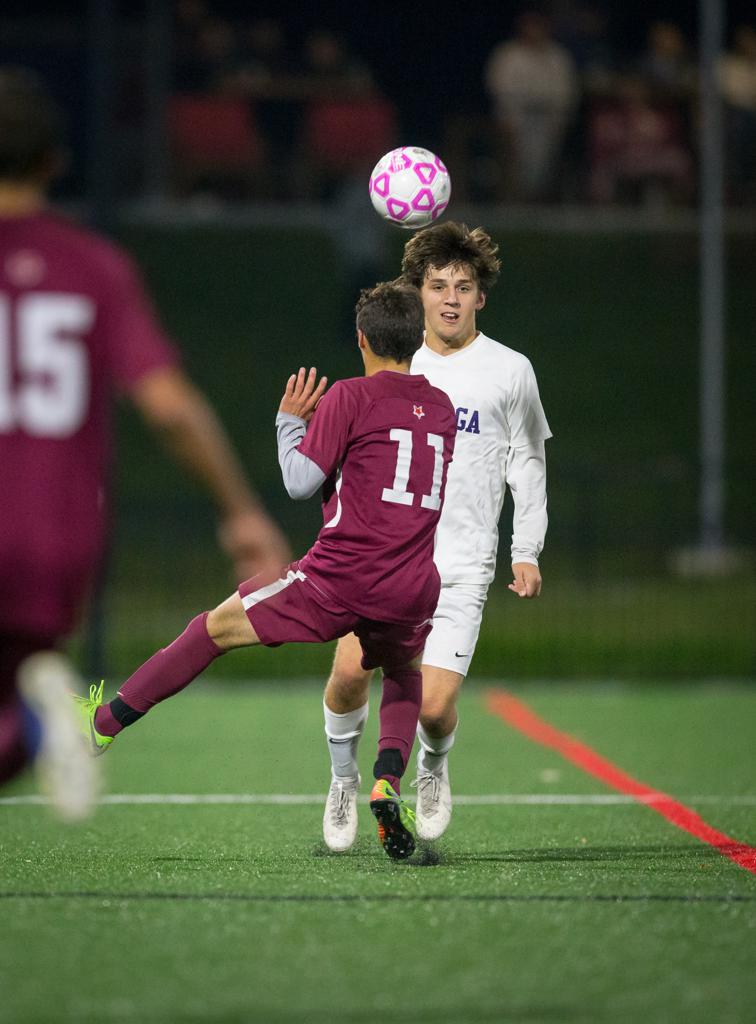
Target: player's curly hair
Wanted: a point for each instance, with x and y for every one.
(391, 317)
(30, 125)
(451, 245)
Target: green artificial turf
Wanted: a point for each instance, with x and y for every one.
(547, 912)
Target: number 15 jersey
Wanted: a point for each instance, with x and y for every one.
(384, 443)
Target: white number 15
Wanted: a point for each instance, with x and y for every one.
(48, 396)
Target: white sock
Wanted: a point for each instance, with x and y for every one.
(434, 750)
(344, 732)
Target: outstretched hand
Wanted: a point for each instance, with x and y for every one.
(254, 543)
(526, 580)
(302, 395)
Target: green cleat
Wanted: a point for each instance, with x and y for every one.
(85, 708)
(396, 822)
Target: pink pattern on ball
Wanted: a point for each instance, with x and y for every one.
(425, 172)
(381, 184)
(424, 200)
(397, 208)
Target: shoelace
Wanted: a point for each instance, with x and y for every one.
(339, 812)
(428, 787)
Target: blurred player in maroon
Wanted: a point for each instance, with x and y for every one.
(379, 446)
(76, 329)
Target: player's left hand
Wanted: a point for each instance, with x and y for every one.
(302, 395)
(526, 580)
(253, 542)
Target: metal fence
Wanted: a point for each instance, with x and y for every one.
(610, 322)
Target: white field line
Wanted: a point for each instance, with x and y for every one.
(302, 799)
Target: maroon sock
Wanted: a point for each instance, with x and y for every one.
(393, 781)
(400, 709)
(166, 672)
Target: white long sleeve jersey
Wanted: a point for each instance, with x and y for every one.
(501, 429)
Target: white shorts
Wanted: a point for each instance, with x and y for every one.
(456, 624)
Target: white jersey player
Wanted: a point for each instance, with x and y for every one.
(501, 430)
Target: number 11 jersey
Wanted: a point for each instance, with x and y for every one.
(384, 443)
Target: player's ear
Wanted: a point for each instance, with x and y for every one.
(481, 301)
(361, 340)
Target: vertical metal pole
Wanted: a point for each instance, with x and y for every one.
(157, 79)
(102, 27)
(712, 277)
(101, 195)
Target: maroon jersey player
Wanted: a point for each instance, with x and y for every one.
(76, 329)
(379, 446)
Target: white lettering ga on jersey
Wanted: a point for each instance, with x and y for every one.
(494, 392)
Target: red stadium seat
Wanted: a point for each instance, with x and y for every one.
(339, 133)
(213, 137)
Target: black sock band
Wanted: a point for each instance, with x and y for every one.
(389, 762)
(123, 713)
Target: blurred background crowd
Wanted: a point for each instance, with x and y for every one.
(571, 102)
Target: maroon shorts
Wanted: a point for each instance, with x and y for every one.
(292, 609)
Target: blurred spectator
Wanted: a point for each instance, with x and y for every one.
(265, 55)
(666, 65)
(207, 56)
(347, 123)
(269, 79)
(533, 86)
(638, 151)
(219, 147)
(188, 17)
(331, 70)
(738, 78)
(583, 30)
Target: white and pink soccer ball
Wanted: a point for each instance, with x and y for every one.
(410, 187)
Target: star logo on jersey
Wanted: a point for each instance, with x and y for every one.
(418, 411)
(25, 268)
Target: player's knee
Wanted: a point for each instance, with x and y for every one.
(348, 678)
(348, 684)
(228, 626)
(438, 714)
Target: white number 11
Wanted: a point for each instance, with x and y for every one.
(399, 493)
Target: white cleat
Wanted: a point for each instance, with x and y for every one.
(66, 771)
(340, 818)
(434, 802)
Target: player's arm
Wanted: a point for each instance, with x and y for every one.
(301, 476)
(181, 415)
(526, 477)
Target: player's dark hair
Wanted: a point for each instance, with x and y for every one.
(391, 318)
(451, 245)
(30, 125)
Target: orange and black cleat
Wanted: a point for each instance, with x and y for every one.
(396, 822)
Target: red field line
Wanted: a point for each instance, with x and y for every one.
(517, 714)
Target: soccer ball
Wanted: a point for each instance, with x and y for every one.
(410, 187)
